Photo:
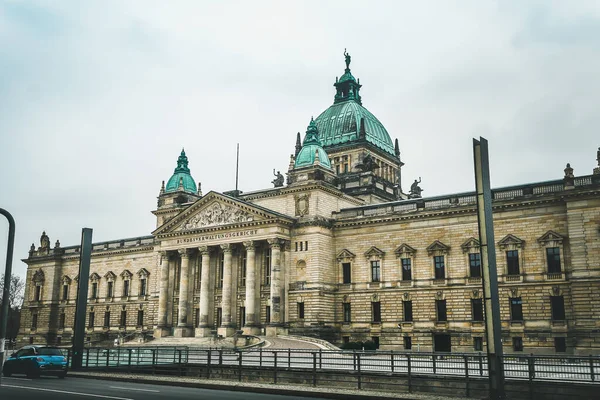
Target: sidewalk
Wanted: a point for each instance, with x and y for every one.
(290, 390)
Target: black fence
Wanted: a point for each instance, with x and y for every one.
(528, 376)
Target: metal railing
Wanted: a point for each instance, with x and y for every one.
(355, 369)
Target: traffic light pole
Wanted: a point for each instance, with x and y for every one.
(6, 287)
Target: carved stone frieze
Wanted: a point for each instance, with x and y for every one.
(217, 214)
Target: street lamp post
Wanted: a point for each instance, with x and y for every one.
(6, 287)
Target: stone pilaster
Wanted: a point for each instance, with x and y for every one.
(252, 326)
(275, 287)
(226, 328)
(203, 329)
(183, 328)
(162, 329)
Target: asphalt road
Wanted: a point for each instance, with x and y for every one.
(51, 388)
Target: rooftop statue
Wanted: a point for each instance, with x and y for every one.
(348, 59)
(278, 181)
(415, 190)
(367, 164)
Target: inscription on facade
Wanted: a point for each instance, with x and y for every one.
(218, 236)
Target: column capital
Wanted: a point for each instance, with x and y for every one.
(226, 247)
(163, 253)
(250, 245)
(274, 243)
(203, 249)
(184, 253)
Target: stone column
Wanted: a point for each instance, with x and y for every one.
(226, 329)
(252, 327)
(203, 329)
(161, 328)
(183, 329)
(275, 287)
(285, 281)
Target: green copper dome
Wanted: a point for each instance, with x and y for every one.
(181, 174)
(340, 123)
(310, 148)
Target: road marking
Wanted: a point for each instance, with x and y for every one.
(140, 390)
(63, 391)
(19, 379)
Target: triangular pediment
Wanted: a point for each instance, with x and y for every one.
(469, 244)
(551, 236)
(94, 277)
(437, 247)
(216, 209)
(345, 254)
(510, 241)
(405, 249)
(110, 276)
(374, 252)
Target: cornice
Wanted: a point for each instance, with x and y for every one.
(95, 254)
(302, 188)
(226, 227)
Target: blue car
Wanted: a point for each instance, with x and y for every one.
(34, 361)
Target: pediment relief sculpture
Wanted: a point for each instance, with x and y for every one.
(217, 214)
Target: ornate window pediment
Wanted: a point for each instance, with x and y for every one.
(94, 277)
(110, 276)
(551, 239)
(346, 255)
(126, 274)
(66, 280)
(471, 244)
(374, 252)
(437, 248)
(143, 273)
(405, 249)
(38, 277)
(511, 242)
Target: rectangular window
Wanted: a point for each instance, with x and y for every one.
(376, 311)
(196, 316)
(406, 269)
(305, 246)
(109, 289)
(346, 339)
(560, 344)
(512, 262)
(58, 340)
(65, 292)
(517, 343)
(296, 246)
(30, 339)
(142, 287)
(301, 246)
(301, 310)
(516, 309)
(94, 290)
(558, 308)
(91, 318)
(375, 271)
(126, 288)
(475, 265)
(61, 321)
(375, 340)
(34, 321)
(221, 270)
(243, 268)
(477, 309)
(407, 342)
(107, 319)
(38, 293)
(408, 311)
(347, 312)
(440, 306)
(140, 318)
(346, 272)
(268, 315)
(553, 256)
(219, 320)
(440, 267)
(123, 321)
(478, 343)
(267, 274)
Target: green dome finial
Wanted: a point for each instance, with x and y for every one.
(181, 176)
(310, 147)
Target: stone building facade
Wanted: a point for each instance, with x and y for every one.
(340, 251)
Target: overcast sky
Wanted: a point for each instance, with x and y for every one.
(97, 98)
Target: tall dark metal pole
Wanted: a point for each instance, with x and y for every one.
(82, 291)
(493, 329)
(6, 287)
(237, 164)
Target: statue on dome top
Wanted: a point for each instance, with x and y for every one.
(348, 59)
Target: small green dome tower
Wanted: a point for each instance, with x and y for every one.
(311, 149)
(181, 176)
